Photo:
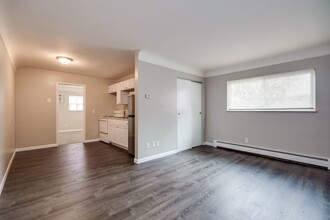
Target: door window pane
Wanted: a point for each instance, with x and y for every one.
(76, 103)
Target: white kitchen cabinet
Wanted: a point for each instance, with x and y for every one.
(127, 84)
(121, 90)
(131, 83)
(111, 132)
(118, 132)
(104, 137)
(112, 88)
(103, 130)
(124, 85)
(122, 97)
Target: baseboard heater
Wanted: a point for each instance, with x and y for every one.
(317, 161)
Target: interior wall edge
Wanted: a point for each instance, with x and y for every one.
(4, 178)
(7, 51)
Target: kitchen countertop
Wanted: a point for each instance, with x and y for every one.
(116, 118)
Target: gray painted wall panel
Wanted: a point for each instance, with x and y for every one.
(157, 117)
(303, 133)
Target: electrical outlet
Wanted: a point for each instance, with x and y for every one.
(154, 144)
(148, 145)
(246, 140)
(157, 144)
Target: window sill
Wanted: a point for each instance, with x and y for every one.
(286, 111)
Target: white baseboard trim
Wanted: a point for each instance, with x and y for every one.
(307, 159)
(19, 149)
(157, 156)
(209, 144)
(3, 181)
(92, 140)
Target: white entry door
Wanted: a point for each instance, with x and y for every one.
(70, 113)
(189, 114)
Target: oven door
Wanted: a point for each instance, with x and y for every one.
(103, 126)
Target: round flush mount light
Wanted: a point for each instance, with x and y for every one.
(64, 60)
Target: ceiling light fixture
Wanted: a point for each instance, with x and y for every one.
(64, 60)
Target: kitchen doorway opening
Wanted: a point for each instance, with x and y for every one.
(70, 113)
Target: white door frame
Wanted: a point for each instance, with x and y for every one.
(57, 108)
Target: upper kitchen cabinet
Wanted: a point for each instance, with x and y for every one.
(113, 88)
(121, 90)
(127, 84)
(122, 97)
(131, 83)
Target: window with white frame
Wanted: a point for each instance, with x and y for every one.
(291, 91)
(76, 103)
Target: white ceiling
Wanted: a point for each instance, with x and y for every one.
(102, 35)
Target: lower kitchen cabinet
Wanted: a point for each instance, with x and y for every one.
(118, 132)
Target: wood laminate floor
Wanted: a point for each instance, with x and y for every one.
(98, 181)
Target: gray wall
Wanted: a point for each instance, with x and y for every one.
(157, 117)
(303, 133)
(7, 111)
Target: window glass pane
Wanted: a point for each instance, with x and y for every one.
(72, 107)
(80, 107)
(80, 99)
(294, 90)
(247, 94)
(76, 103)
(288, 92)
(72, 99)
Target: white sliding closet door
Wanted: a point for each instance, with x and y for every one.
(196, 114)
(184, 114)
(189, 114)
